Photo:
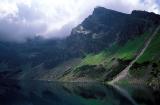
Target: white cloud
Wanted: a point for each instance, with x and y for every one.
(58, 17)
(128, 5)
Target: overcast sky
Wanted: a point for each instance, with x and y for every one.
(21, 19)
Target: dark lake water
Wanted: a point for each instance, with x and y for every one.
(53, 93)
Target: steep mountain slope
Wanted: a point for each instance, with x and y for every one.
(103, 30)
(120, 45)
(107, 64)
(97, 50)
(112, 60)
(124, 73)
(147, 67)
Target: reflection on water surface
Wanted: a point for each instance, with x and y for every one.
(54, 93)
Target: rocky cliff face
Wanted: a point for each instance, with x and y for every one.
(106, 27)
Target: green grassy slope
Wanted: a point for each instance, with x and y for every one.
(153, 50)
(127, 51)
(93, 59)
(147, 67)
(113, 60)
(130, 49)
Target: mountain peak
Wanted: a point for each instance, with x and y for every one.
(102, 10)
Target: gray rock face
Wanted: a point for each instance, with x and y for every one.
(106, 27)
